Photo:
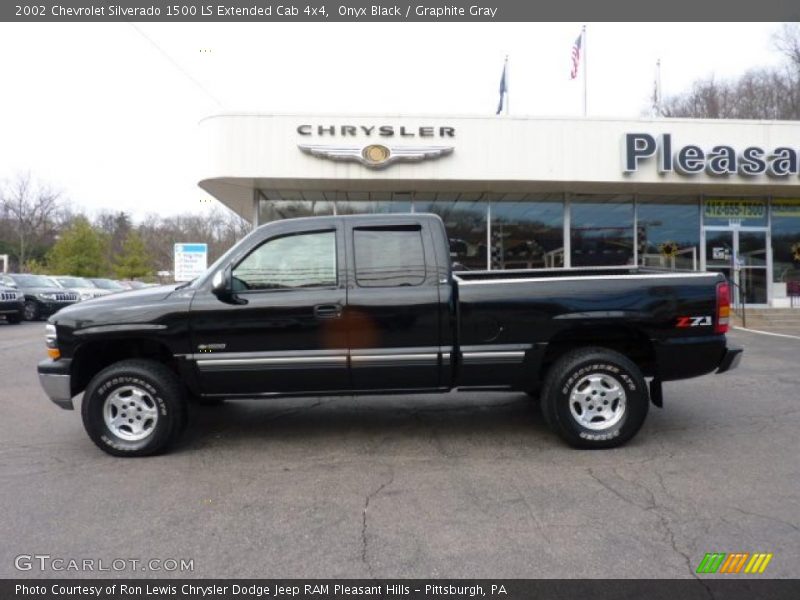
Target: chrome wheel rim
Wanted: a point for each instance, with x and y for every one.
(597, 401)
(131, 413)
(29, 311)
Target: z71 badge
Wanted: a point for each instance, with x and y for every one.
(694, 322)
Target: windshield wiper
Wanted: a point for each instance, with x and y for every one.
(186, 284)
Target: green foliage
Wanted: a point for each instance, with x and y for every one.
(133, 260)
(35, 266)
(80, 250)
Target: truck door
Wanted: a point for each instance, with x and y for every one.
(392, 311)
(282, 331)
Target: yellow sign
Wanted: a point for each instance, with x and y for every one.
(786, 207)
(735, 208)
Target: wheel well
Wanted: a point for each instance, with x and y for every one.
(93, 357)
(628, 341)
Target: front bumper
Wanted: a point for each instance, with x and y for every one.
(730, 360)
(9, 308)
(54, 377)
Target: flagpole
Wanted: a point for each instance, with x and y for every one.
(585, 70)
(658, 88)
(508, 96)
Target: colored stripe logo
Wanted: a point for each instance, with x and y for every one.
(734, 563)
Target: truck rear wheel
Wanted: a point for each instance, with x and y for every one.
(595, 398)
(134, 408)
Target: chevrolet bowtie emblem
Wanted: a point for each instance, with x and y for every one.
(375, 156)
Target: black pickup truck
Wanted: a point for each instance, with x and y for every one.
(369, 304)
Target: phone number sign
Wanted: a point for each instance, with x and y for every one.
(729, 208)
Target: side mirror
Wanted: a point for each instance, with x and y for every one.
(221, 283)
(222, 287)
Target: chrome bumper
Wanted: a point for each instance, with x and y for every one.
(57, 388)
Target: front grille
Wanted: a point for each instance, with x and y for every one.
(66, 297)
(5, 296)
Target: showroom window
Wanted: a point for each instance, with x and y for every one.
(668, 232)
(528, 231)
(288, 204)
(785, 240)
(601, 231)
(464, 217)
(352, 203)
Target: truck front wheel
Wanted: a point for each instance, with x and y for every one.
(133, 408)
(595, 398)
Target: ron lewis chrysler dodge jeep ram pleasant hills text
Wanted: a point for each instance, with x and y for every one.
(370, 304)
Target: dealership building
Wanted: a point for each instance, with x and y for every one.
(534, 193)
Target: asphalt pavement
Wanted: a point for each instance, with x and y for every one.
(455, 485)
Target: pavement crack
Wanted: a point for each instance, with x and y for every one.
(619, 494)
(531, 513)
(652, 505)
(767, 517)
(364, 523)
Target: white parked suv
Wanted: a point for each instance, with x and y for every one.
(82, 286)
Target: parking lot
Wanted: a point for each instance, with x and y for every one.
(456, 485)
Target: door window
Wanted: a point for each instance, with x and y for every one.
(294, 261)
(389, 257)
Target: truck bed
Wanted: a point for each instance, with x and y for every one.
(510, 274)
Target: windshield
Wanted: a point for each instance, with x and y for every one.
(34, 281)
(107, 284)
(74, 282)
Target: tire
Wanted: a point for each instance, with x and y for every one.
(31, 310)
(144, 393)
(14, 319)
(595, 398)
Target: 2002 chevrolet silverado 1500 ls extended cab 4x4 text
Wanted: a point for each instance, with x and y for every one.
(369, 304)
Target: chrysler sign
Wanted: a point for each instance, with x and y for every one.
(377, 154)
(720, 160)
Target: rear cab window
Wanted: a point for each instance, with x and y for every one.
(389, 256)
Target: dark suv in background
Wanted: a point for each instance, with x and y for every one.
(12, 303)
(43, 297)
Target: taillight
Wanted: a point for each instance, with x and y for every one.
(723, 307)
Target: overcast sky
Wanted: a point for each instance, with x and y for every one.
(108, 112)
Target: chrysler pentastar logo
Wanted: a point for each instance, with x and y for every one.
(375, 156)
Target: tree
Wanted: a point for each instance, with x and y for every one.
(80, 250)
(117, 226)
(133, 260)
(763, 93)
(31, 208)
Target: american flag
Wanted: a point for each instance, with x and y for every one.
(576, 56)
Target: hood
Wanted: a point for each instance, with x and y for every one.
(93, 291)
(45, 290)
(147, 305)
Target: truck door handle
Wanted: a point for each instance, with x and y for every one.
(328, 311)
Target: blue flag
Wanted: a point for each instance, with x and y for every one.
(503, 87)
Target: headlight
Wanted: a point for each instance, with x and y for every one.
(51, 341)
(47, 296)
(86, 296)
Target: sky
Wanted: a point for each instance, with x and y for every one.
(108, 112)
